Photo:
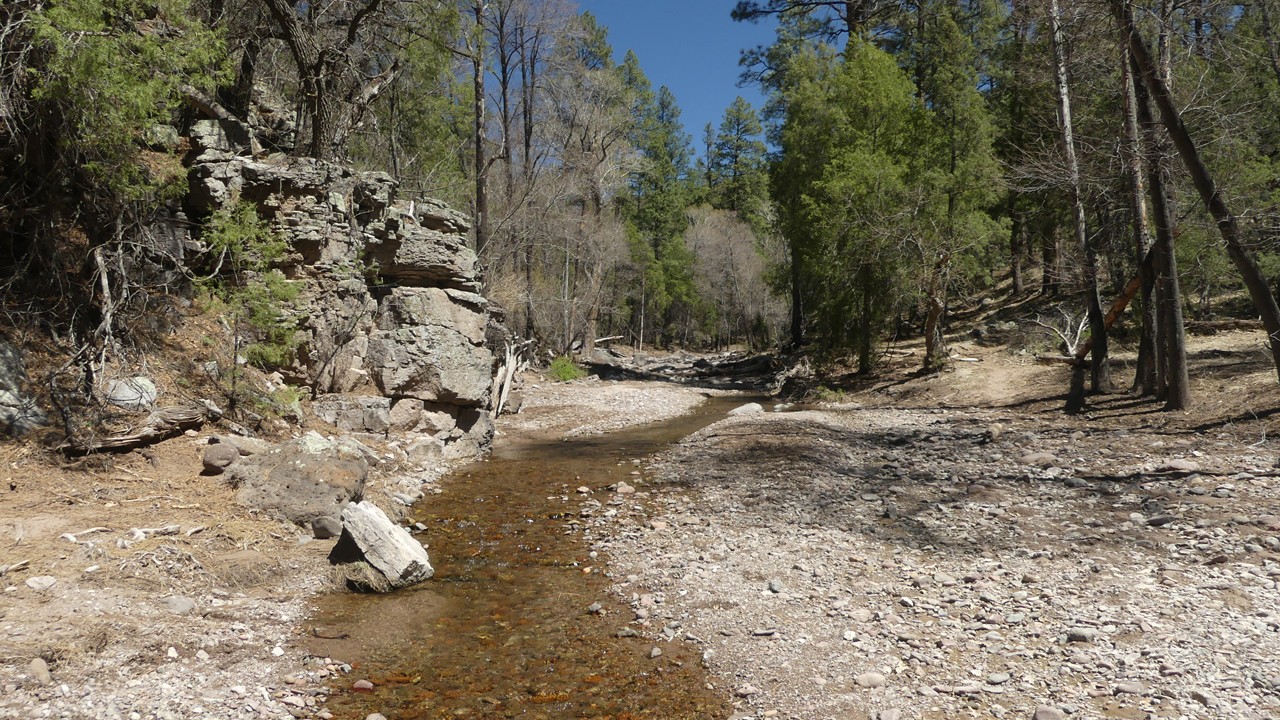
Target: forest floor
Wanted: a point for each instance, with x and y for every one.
(917, 546)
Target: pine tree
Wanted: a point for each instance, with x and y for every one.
(736, 166)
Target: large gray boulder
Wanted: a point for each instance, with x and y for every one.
(19, 413)
(368, 535)
(303, 479)
(430, 346)
(135, 393)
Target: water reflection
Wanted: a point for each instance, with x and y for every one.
(503, 629)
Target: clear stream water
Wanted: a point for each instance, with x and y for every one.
(503, 631)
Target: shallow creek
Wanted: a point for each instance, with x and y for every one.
(503, 630)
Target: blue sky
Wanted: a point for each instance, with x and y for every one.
(691, 46)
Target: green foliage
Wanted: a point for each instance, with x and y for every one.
(824, 394)
(113, 69)
(425, 114)
(254, 293)
(563, 370)
(736, 166)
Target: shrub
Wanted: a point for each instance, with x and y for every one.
(246, 289)
(563, 370)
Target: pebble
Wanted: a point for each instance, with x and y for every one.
(1048, 712)
(624, 489)
(746, 690)
(1130, 688)
(890, 714)
(362, 685)
(998, 678)
(1205, 698)
(870, 680)
(1082, 635)
(39, 670)
(375, 716)
(655, 652)
(776, 586)
(177, 604)
(41, 582)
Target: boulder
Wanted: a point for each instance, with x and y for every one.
(19, 413)
(415, 255)
(438, 419)
(368, 535)
(243, 445)
(472, 436)
(326, 527)
(218, 457)
(424, 450)
(405, 415)
(748, 409)
(303, 479)
(135, 393)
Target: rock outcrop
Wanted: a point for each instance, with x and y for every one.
(19, 413)
(390, 310)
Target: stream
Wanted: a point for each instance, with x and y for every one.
(503, 629)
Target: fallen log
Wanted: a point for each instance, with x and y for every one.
(160, 425)
(1213, 327)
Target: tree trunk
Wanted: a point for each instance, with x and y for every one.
(1144, 381)
(797, 304)
(1170, 338)
(240, 98)
(481, 167)
(1099, 371)
(935, 346)
(1051, 262)
(1269, 36)
(1017, 244)
(1264, 302)
(529, 328)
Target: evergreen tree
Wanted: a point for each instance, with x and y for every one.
(660, 191)
(736, 166)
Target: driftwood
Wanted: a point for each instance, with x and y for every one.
(1213, 327)
(1064, 359)
(161, 424)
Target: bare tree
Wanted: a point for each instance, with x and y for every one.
(1099, 370)
(1228, 226)
(332, 49)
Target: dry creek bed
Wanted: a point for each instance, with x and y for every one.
(859, 563)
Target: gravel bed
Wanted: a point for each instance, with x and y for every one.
(948, 563)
